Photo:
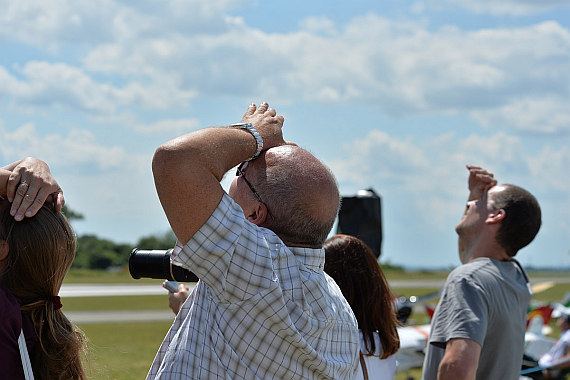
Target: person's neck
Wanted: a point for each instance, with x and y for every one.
(499, 255)
(484, 248)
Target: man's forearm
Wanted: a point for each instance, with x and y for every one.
(215, 150)
(460, 360)
(454, 373)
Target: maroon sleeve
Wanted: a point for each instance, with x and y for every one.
(10, 327)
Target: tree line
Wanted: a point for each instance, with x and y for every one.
(96, 253)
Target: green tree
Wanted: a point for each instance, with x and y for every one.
(160, 241)
(96, 253)
(71, 214)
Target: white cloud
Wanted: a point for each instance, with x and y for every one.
(366, 158)
(514, 78)
(78, 150)
(548, 115)
(319, 25)
(550, 169)
(60, 85)
(170, 126)
(55, 23)
(402, 67)
(511, 7)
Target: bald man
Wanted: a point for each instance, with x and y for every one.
(263, 308)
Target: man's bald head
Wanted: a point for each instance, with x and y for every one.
(301, 193)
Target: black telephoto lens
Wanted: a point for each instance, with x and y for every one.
(155, 263)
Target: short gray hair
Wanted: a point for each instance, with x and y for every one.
(300, 216)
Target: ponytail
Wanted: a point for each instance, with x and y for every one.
(61, 345)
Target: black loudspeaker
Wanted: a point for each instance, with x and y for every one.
(361, 216)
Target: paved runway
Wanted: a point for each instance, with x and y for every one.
(82, 317)
(106, 290)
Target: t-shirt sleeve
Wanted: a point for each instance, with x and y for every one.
(230, 254)
(462, 313)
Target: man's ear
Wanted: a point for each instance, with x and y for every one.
(258, 214)
(4, 248)
(496, 216)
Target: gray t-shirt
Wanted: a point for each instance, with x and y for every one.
(485, 300)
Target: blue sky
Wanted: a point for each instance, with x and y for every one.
(396, 96)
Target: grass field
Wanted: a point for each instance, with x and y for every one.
(124, 351)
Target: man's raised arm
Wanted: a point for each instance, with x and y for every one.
(187, 170)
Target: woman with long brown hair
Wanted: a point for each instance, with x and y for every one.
(36, 251)
(351, 263)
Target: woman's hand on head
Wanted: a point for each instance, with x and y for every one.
(30, 185)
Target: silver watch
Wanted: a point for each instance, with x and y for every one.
(251, 129)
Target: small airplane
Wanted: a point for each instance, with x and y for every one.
(413, 339)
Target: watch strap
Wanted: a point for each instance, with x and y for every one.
(251, 129)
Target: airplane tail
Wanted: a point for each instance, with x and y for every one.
(545, 312)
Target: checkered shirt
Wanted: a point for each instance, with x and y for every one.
(261, 310)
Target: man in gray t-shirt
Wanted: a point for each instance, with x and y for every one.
(478, 327)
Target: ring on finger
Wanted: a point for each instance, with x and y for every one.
(24, 183)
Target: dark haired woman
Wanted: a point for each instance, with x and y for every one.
(37, 247)
(351, 263)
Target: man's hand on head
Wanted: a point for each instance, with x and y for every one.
(267, 122)
(479, 181)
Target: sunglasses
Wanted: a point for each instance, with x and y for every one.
(240, 173)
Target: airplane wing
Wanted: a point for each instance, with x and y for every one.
(413, 340)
